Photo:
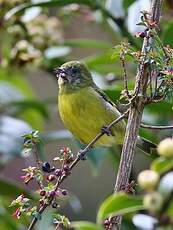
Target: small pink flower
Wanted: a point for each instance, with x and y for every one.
(16, 214)
(26, 178)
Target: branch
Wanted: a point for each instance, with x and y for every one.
(159, 127)
(135, 113)
(80, 156)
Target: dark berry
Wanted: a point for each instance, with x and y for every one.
(52, 193)
(64, 192)
(141, 34)
(66, 168)
(50, 177)
(46, 167)
(58, 172)
(42, 193)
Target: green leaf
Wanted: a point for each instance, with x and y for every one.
(113, 93)
(49, 3)
(100, 59)
(26, 104)
(87, 43)
(170, 209)
(127, 3)
(160, 108)
(162, 165)
(168, 33)
(8, 221)
(119, 203)
(10, 189)
(85, 225)
(128, 53)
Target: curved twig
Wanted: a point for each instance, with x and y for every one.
(160, 127)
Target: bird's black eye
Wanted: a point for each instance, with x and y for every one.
(74, 70)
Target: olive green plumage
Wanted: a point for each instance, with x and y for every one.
(84, 108)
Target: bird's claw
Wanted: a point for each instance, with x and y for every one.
(106, 131)
(82, 155)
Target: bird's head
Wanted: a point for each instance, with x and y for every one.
(73, 75)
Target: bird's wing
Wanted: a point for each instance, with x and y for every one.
(103, 95)
(120, 107)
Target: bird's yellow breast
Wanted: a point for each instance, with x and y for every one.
(84, 112)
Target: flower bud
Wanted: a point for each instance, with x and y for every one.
(148, 179)
(42, 193)
(51, 177)
(153, 201)
(165, 147)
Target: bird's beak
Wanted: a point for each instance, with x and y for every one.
(61, 73)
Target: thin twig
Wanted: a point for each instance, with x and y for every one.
(122, 58)
(160, 127)
(82, 153)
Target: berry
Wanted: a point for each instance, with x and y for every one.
(46, 167)
(141, 34)
(148, 179)
(52, 193)
(153, 201)
(64, 192)
(66, 168)
(165, 147)
(50, 177)
(42, 193)
(58, 172)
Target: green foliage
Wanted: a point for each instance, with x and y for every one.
(127, 3)
(119, 203)
(162, 165)
(9, 189)
(168, 33)
(85, 225)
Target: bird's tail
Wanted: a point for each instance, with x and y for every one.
(147, 146)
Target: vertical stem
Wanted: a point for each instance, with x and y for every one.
(135, 113)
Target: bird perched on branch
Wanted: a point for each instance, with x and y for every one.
(85, 109)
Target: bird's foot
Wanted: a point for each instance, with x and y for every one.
(106, 131)
(129, 188)
(82, 155)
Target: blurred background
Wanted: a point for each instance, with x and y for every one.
(38, 36)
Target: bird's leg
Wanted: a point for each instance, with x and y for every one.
(106, 130)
